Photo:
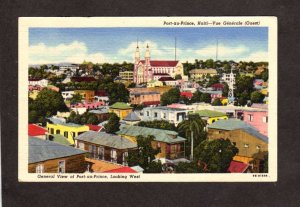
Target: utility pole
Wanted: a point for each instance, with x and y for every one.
(192, 146)
(175, 49)
(217, 50)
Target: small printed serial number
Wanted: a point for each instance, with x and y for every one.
(260, 175)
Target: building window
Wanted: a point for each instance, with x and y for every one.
(265, 119)
(39, 168)
(250, 117)
(246, 145)
(81, 145)
(125, 155)
(66, 134)
(165, 116)
(147, 113)
(51, 131)
(61, 166)
(155, 114)
(113, 155)
(101, 153)
(258, 147)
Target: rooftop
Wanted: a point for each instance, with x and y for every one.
(120, 105)
(209, 113)
(233, 124)
(132, 117)
(42, 150)
(164, 108)
(105, 139)
(124, 169)
(99, 166)
(159, 134)
(35, 130)
(237, 167)
(60, 139)
(162, 63)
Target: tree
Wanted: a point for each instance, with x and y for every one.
(158, 124)
(257, 97)
(213, 80)
(178, 77)
(76, 98)
(192, 167)
(266, 164)
(196, 97)
(144, 155)
(205, 97)
(117, 92)
(192, 128)
(172, 96)
(92, 119)
(217, 154)
(225, 90)
(131, 85)
(210, 63)
(217, 102)
(265, 75)
(113, 124)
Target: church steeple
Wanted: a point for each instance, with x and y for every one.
(137, 53)
(147, 55)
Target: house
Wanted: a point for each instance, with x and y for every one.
(237, 167)
(218, 86)
(132, 118)
(94, 128)
(87, 105)
(252, 145)
(121, 109)
(37, 131)
(104, 146)
(227, 76)
(126, 75)
(211, 116)
(87, 95)
(154, 83)
(49, 157)
(213, 94)
(145, 98)
(168, 81)
(38, 82)
(160, 90)
(172, 115)
(67, 95)
(102, 113)
(101, 166)
(257, 119)
(68, 130)
(197, 74)
(171, 145)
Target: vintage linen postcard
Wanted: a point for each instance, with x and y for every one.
(148, 99)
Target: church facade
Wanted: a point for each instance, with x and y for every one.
(147, 69)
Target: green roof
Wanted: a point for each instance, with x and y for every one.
(161, 135)
(60, 139)
(209, 113)
(120, 105)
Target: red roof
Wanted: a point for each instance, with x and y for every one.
(162, 63)
(94, 127)
(148, 103)
(83, 79)
(186, 94)
(101, 93)
(237, 167)
(35, 130)
(122, 170)
(218, 85)
(166, 79)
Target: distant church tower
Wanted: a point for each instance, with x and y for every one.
(137, 54)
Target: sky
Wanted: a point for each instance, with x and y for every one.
(99, 45)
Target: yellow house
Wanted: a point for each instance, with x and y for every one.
(121, 109)
(211, 116)
(68, 130)
(154, 83)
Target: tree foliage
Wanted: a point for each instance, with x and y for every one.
(113, 124)
(76, 98)
(144, 155)
(192, 167)
(172, 96)
(158, 124)
(85, 118)
(257, 97)
(205, 97)
(217, 102)
(196, 97)
(217, 154)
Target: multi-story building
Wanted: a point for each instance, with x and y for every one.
(197, 74)
(38, 82)
(172, 115)
(252, 145)
(145, 70)
(171, 145)
(121, 109)
(87, 95)
(104, 146)
(126, 75)
(145, 98)
(50, 157)
(68, 130)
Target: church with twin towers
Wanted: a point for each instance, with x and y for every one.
(148, 69)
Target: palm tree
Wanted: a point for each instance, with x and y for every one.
(194, 125)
